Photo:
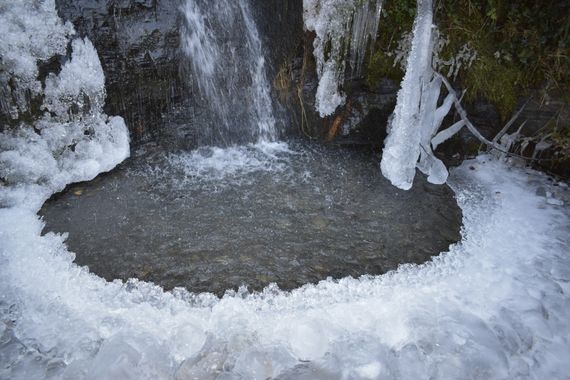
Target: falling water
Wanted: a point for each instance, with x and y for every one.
(228, 66)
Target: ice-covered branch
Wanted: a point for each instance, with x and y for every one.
(413, 129)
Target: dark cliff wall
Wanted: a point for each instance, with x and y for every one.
(138, 42)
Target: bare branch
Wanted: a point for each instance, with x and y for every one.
(510, 122)
(463, 114)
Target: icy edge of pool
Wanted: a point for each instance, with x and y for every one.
(494, 306)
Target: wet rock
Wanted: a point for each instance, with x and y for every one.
(138, 44)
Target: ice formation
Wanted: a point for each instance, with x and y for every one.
(223, 44)
(495, 306)
(344, 29)
(73, 140)
(413, 127)
(402, 146)
(19, 21)
(463, 59)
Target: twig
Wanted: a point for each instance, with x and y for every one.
(463, 114)
(509, 123)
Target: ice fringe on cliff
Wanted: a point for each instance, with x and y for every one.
(73, 140)
(344, 29)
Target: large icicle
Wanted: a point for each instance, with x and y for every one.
(402, 146)
(364, 30)
(343, 30)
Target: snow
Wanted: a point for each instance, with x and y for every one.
(495, 305)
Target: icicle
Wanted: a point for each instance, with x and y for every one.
(402, 146)
(364, 31)
(344, 28)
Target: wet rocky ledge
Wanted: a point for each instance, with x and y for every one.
(217, 219)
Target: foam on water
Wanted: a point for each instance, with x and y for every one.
(494, 306)
(214, 163)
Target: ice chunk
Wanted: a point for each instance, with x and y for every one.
(81, 82)
(31, 31)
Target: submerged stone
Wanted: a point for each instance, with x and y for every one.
(221, 218)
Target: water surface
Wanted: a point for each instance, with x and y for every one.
(215, 219)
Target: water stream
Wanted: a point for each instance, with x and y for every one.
(228, 67)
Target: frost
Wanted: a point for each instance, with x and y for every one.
(344, 29)
(75, 140)
(81, 82)
(31, 31)
(463, 59)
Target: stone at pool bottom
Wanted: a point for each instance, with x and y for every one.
(323, 211)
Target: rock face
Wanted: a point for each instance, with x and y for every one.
(146, 72)
(138, 44)
(148, 76)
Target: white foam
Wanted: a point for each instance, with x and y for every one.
(215, 164)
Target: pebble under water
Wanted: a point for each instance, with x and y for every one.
(215, 219)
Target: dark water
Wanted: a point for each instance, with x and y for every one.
(217, 219)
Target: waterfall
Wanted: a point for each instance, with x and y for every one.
(229, 69)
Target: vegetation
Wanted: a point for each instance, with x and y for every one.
(522, 48)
